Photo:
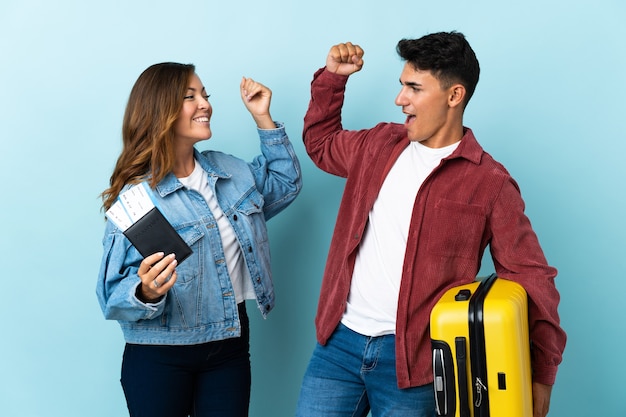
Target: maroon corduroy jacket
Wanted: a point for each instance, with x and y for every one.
(468, 202)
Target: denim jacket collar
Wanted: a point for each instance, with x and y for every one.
(170, 183)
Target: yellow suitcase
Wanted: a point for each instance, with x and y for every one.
(481, 350)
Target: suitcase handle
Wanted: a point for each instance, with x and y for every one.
(478, 349)
(443, 369)
(461, 363)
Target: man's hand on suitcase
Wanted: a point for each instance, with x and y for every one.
(541, 399)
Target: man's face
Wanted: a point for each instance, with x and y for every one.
(426, 105)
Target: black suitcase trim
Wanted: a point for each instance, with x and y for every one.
(477, 347)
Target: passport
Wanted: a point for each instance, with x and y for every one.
(136, 215)
(153, 233)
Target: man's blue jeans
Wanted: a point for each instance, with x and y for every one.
(353, 374)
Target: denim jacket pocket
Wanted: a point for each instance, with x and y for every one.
(251, 210)
(188, 269)
(253, 203)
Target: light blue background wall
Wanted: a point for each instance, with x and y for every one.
(550, 106)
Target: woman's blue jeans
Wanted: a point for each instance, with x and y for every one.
(354, 374)
(210, 379)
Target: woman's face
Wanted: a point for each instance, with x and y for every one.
(193, 123)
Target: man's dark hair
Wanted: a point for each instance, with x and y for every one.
(447, 55)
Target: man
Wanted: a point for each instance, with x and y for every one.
(422, 202)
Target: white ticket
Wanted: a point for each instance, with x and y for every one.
(136, 202)
(118, 215)
(130, 206)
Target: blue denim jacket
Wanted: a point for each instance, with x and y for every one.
(201, 305)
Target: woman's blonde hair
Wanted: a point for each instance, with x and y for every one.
(147, 132)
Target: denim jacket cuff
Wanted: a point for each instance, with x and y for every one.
(151, 309)
(276, 136)
(269, 134)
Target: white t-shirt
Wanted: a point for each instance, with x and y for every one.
(373, 300)
(239, 274)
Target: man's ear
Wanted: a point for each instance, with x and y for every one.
(457, 95)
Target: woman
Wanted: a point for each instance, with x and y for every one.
(185, 325)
